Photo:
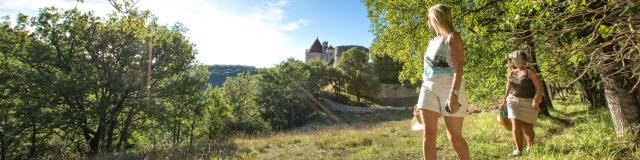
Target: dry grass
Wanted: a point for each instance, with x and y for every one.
(573, 134)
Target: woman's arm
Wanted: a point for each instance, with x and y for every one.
(537, 83)
(457, 56)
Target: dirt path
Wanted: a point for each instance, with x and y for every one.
(358, 109)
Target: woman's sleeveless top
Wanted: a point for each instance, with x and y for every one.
(521, 86)
(437, 59)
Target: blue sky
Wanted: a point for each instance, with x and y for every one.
(247, 32)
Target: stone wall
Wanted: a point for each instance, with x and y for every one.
(392, 94)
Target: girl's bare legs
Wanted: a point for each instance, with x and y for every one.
(516, 131)
(529, 134)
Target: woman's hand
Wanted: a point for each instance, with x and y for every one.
(453, 103)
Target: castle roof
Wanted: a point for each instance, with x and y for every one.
(331, 47)
(316, 47)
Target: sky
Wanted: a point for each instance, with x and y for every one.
(258, 33)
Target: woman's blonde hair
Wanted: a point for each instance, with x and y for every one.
(440, 16)
(517, 58)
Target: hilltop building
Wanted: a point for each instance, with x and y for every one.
(326, 53)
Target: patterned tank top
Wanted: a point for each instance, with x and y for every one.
(437, 59)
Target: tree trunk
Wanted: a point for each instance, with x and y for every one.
(124, 133)
(33, 139)
(560, 91)
(191, 138)
(94, 143)
(552, 89)
(113, 119)
(112, 126)
(623, 106)
(4, 114)
(591, 93)
(529, 47)
(3, 146)
(176, 133)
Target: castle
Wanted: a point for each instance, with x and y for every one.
(326, 53)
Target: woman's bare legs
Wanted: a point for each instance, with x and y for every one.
(430, 121)
(516, 131)
(454, 133)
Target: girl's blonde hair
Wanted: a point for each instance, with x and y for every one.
(440, 16)
(517, 58)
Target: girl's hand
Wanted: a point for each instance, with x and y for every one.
(503, 104)
(536, 106)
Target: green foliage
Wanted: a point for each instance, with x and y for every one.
(402, 34)
(280, 94)
(323, 74)
(79, 83)
(386, 69)
(354, 64)
(241, 93)
(274, 97)
(218, 115)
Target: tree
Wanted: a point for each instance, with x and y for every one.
(323, 74)
(595, 37)
(90, 69)
(218, 114)
(598, 34)
(280, 93)
(240, 93)
(401, 33)
(386, 69)
(354, 64)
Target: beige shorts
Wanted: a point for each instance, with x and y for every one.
(521, 109)
(434, 95)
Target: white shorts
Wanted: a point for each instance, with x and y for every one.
(434, 95)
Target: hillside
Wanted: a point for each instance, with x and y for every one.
(573, 133)
(219, 73)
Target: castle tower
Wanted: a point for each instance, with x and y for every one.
(315, 52)
(331, 53)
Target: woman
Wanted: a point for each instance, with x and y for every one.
(442, 92)
(524, 91)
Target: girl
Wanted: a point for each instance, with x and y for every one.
(524, 91)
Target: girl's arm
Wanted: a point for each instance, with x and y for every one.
(506, 92)
(537, 83)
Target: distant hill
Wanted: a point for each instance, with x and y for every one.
(219, 73)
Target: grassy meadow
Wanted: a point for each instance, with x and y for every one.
(573, 133)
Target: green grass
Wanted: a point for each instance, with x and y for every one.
(572, 134)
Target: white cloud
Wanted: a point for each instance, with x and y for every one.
(294, 25)
(256, 36)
